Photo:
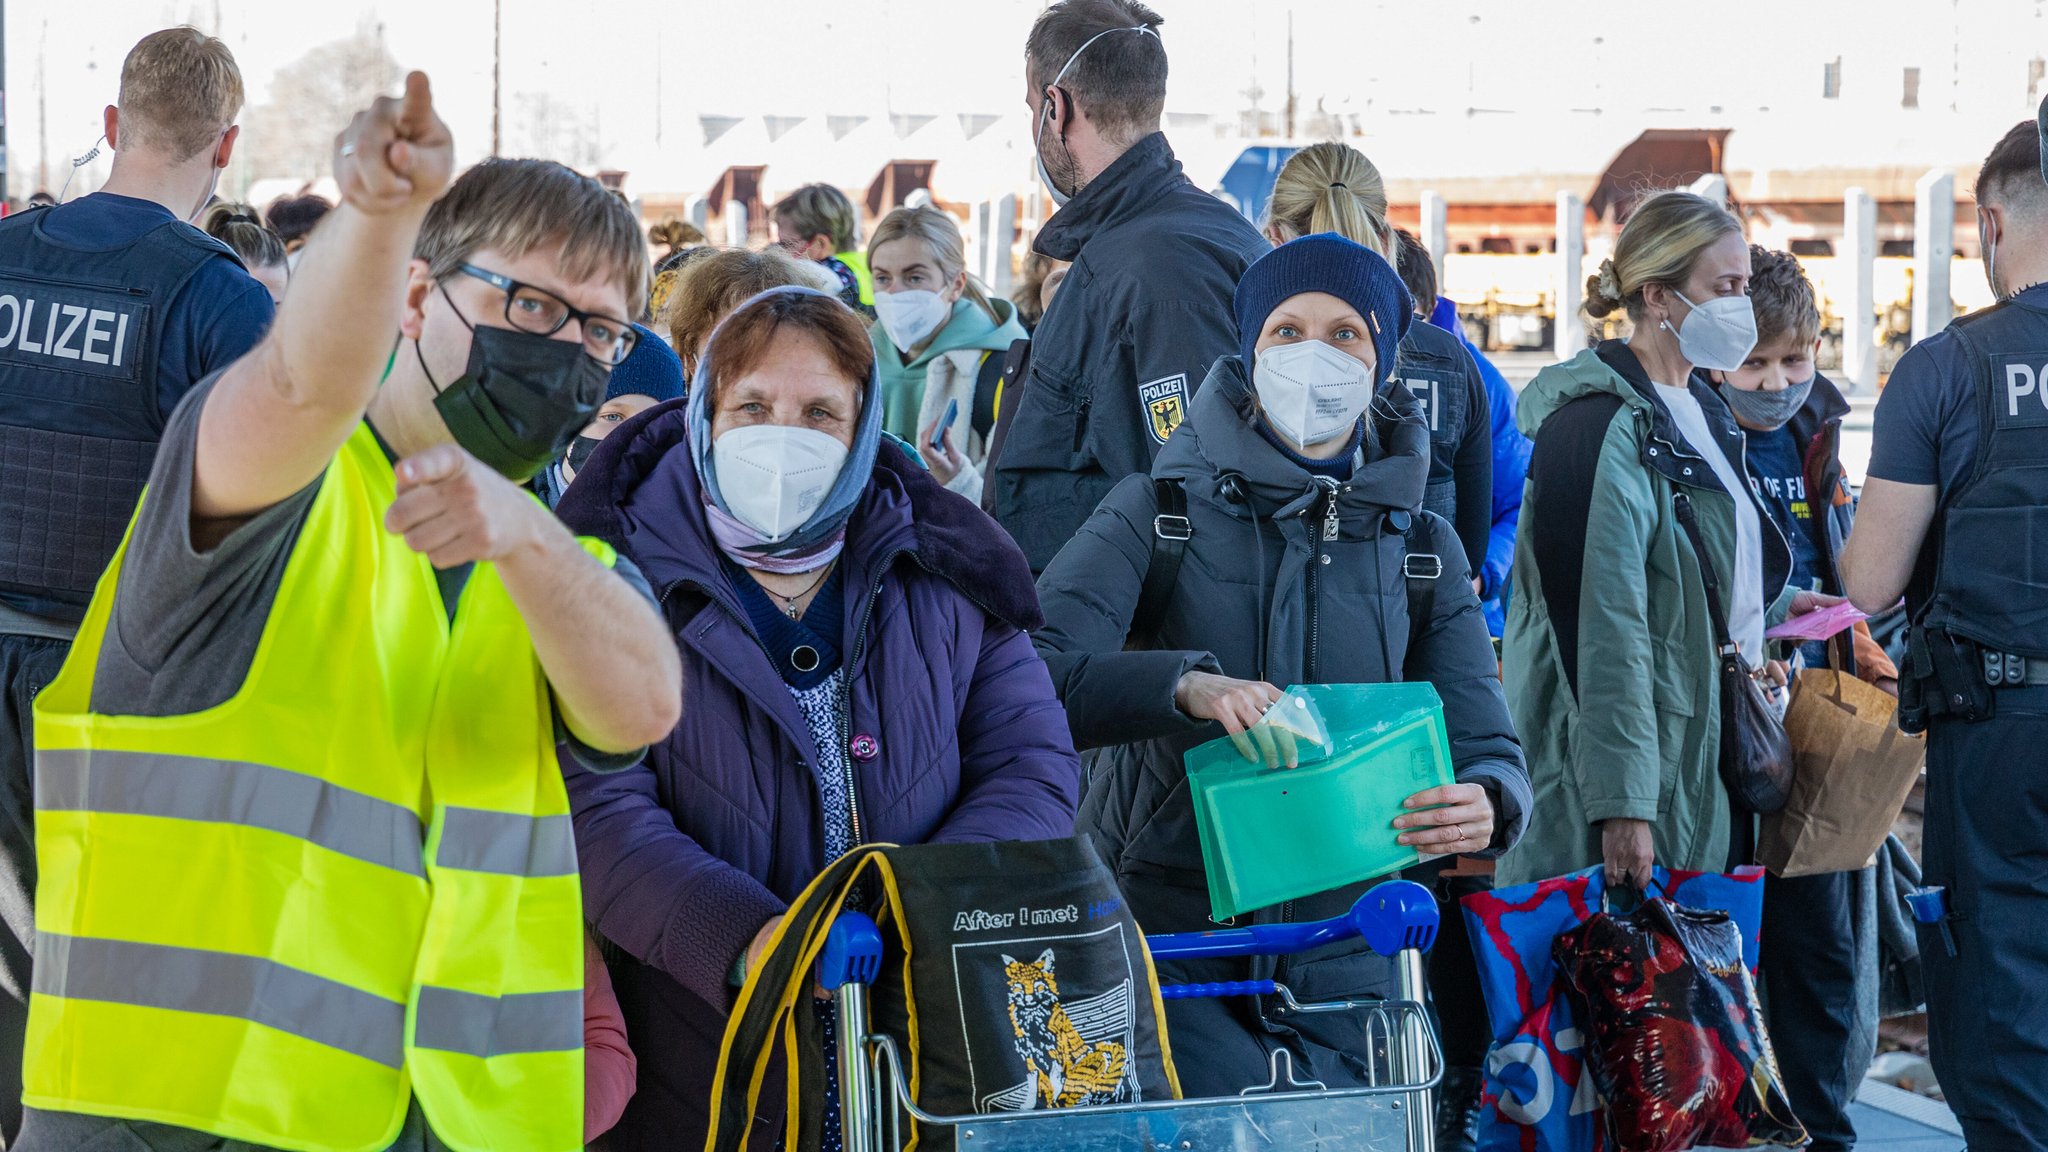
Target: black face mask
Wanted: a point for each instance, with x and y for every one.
(522, 400)
(579, 451)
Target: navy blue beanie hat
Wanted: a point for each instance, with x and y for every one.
(652, 368)
(1326, 262)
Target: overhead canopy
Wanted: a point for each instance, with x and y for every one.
(895, 182)
(1658, 158)
(741, 182)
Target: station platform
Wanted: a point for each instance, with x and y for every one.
(1889, 1119)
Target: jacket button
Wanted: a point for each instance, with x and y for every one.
(1326, 558)
(866, 747)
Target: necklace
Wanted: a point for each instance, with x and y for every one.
(789, 602)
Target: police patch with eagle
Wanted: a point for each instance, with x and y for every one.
(1165, 401)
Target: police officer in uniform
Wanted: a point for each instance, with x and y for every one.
(1146, 308)
(111, 307)
(1955, 517)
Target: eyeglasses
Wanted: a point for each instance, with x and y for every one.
(606, 339)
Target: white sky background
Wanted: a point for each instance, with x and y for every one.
(644, 70)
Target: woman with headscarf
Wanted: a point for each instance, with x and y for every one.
(857, 669)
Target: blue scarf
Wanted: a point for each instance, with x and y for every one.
(826, 528)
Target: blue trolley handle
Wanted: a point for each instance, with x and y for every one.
(1391, 918)
(1227, 988)
(853, 952)
(851, 961)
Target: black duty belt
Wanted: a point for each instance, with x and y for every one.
(2006, 670)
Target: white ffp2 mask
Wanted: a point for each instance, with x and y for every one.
(911, 316)
(1718, 335)
(773, 477)
(1311, 392)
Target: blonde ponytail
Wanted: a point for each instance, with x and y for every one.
(1331, 187)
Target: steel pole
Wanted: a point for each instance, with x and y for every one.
(1413, 1065)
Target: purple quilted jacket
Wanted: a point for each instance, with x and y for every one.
(955, 734)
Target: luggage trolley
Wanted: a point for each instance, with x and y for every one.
(1394, 1112)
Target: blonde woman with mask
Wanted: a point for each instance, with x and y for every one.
(940, 341)
(1610, 653)
(1333, 187)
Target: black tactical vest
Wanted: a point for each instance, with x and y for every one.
(1990, 579)
(79, 417)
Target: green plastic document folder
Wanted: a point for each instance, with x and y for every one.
(1275, 834)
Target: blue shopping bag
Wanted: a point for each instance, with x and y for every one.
(1539, 1096)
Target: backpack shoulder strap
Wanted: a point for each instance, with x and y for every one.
(989, 378)
(766, 1028)
(1171, 531)
(1423, 566)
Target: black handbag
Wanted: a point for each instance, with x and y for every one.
(1756, 755)
(1014, 978)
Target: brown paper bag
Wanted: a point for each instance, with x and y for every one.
(1853, 769)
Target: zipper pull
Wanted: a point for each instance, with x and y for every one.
(1329, 508)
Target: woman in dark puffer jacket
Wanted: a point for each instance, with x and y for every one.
(1303, 466)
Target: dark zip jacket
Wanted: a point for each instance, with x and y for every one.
(1261, 595)
(1817, 429)
(1143, 313)
(1444, 377)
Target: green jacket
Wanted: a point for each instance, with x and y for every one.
(969, 332)
(1608, 659)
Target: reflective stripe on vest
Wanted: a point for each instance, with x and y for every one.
(222, 984)
(456, 1021)
(507, 843)
(267, 920)
(226, 792)
(302, 1004)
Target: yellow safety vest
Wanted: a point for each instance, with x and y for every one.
(277, 919)
(857, 263)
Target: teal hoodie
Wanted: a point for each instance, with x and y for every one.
(903, 384)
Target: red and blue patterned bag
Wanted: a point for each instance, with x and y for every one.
(1539, 1095)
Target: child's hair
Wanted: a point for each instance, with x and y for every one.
(1031, 286)
(240, 228)
(1783, 298)
(820, 210)
(941, 233)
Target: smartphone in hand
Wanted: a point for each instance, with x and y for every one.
(945, 422)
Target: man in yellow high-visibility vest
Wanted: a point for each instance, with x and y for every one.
(307, 877)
